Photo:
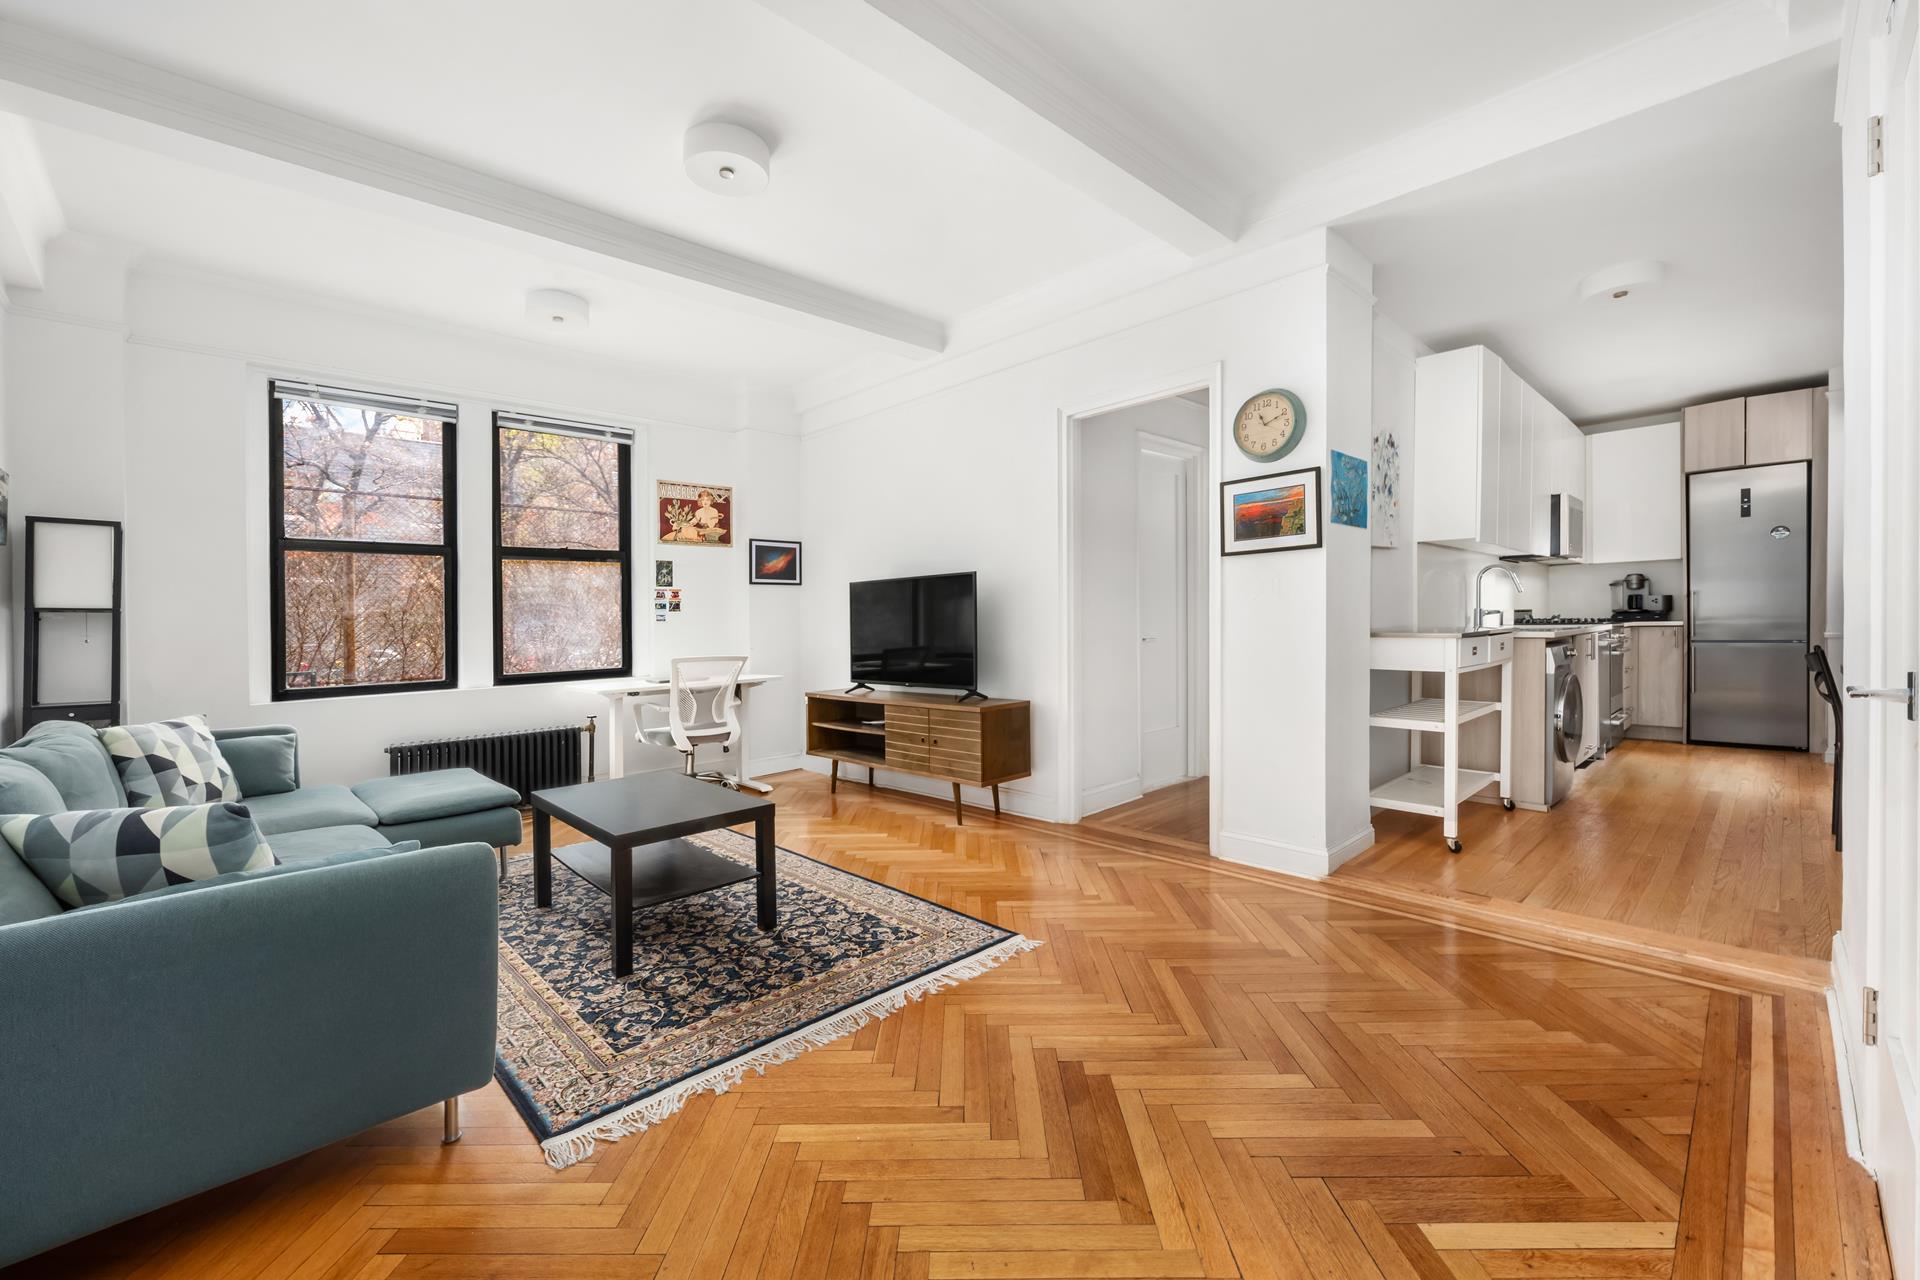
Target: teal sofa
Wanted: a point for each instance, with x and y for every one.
(157, 1046)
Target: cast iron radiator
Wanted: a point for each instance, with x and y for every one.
(527, 760)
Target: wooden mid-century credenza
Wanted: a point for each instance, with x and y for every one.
(982, 742)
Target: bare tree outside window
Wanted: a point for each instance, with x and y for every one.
(562, 553)
(364, 546)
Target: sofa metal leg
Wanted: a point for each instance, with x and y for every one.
(502, 851)
(450, 1116)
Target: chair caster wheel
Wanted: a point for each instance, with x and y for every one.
(1507, 805)
(1453, 846)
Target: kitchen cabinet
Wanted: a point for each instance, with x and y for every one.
(1660, 677)
(1489, 450)
(1750, 431)
(1636, 495)
(1716, 434)
(1780, 427)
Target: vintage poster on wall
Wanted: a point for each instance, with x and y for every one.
(696, 514)
(1386, 489)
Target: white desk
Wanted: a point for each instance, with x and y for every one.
(624, 700)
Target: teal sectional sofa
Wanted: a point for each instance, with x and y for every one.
(160, 1045)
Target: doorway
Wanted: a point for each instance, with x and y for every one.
(1140, 627)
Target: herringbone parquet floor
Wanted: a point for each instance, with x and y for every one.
(1206, 1072)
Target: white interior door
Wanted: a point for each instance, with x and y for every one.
(1161, 552)
(1886, 1071)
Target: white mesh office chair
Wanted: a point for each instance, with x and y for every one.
(703, 710)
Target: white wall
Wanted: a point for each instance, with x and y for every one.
(146, 395)
(961, 468)
(1107, 588)
(10, 528)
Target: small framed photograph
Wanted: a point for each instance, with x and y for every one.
(773, 563)
(1276, 512)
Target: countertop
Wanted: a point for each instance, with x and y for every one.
(1440, 635)
(1664, 622)
(1525, 632)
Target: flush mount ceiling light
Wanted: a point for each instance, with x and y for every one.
(557, 309)
(1622, 279)
(727, 159)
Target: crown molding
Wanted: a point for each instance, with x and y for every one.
(30, 213)
(76, 72)
(970, 64)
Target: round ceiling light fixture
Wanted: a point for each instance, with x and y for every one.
(1622, 279)
(727, 159)
(557, 309)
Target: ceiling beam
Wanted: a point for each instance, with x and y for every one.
(988, 76)
(54, 65)
(30, 212)
(1704, 49)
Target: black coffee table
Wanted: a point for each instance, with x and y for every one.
(640, 860)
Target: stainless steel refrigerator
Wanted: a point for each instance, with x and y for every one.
(1748, 558)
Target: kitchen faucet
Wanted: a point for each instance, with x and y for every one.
(1479, 580)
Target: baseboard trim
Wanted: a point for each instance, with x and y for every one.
(1291, 859)
(1014, 799)
(1110, 795)
(776, 764)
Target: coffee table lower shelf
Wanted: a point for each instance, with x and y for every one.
(661, 872)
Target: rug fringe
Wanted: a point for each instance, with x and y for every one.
(577, 1144)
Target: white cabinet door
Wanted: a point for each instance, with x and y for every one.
(1514, 524)
(1636, 495)
(1456, 456)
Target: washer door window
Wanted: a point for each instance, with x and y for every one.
(1569, 720)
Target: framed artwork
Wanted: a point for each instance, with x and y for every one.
(699, 515)
(770, 562)
(1276, 512)
(1348, 484)
(1385, 493)
(663, 573)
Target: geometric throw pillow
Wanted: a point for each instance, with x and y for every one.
(99, 855)
(170, 762)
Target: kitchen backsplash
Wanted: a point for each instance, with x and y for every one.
(1585, 590)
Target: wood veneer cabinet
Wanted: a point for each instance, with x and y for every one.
(979, 743)
(1715, 435)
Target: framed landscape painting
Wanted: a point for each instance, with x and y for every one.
(1277, 512)
(771, 562)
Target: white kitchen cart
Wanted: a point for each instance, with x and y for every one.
(1437, 789)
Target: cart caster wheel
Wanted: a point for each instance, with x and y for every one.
(1507, 805)
(1453, 846)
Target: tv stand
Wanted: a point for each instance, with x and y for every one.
(862, 684)
(970, 695)
(977, 741)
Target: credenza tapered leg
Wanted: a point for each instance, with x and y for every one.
(833, 779)
(996, 799)
(958, 816)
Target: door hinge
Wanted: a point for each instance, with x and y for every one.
(1876, 146)
(1869, 1015)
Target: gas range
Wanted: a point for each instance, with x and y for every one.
(1558, 620)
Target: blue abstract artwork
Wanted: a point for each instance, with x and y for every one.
(1349, 490)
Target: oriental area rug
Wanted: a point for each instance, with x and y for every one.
(588, 1057)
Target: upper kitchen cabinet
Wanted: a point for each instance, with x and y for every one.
(1489, 451)
(1716, 435)
(1456, 456)
(1780, 427)
(1636, 495)
(1749, 431)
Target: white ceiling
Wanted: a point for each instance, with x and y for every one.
(1736, 189)
(928, 199)
(872, 190)
(234, 226)
(1265, 92)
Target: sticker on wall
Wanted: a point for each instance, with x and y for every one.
(696, 514)
(1385, 491)
(1349, 489)
(663, 573)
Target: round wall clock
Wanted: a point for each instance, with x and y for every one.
(1269, 425)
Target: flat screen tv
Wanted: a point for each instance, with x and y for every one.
(915, 631)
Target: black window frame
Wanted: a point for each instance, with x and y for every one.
(447, 549)
(623, 556)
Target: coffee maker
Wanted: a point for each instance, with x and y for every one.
(1634, 600)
